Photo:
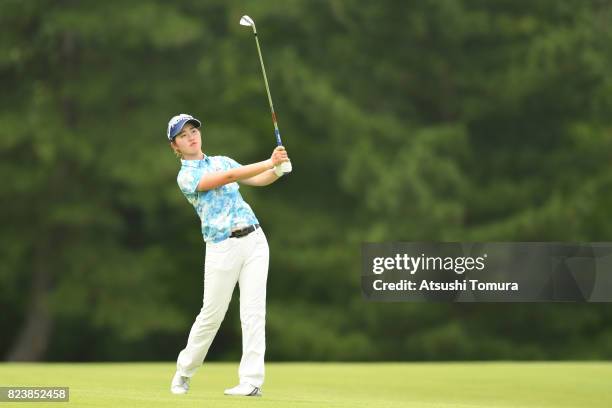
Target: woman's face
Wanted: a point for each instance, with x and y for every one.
(189, 141)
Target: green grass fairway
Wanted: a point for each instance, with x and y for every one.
(329, 385)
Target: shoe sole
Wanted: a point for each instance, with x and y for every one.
(255, 393)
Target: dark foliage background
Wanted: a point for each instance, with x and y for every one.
(429, 120)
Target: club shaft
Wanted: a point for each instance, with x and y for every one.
(263, 70)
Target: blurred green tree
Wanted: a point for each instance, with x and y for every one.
(462, 120)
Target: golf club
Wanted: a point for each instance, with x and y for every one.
(248, 22)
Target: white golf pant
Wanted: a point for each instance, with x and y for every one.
(243, 260)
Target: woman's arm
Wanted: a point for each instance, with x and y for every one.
(266, 178)
(213, 180)
(220, 178)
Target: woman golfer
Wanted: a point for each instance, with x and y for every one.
(236, 251)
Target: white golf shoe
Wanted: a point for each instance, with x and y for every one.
(180, 384)
(245, 390)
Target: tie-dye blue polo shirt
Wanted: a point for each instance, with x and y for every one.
(222, 209)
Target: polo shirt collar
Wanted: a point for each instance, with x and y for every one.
(195, 163)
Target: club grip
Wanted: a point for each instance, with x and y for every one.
(279, 142)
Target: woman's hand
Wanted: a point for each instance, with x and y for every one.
(279, 155)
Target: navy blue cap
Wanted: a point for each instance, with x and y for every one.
(175, 125)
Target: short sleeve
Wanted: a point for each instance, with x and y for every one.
(188, 179)
(231, 162)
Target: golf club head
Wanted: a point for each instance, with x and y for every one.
(247, 21)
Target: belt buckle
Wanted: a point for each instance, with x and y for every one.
(244, 231)
(241, 232)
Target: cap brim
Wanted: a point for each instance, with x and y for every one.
(193, 121)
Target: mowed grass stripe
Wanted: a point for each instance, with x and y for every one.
(496, 384)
